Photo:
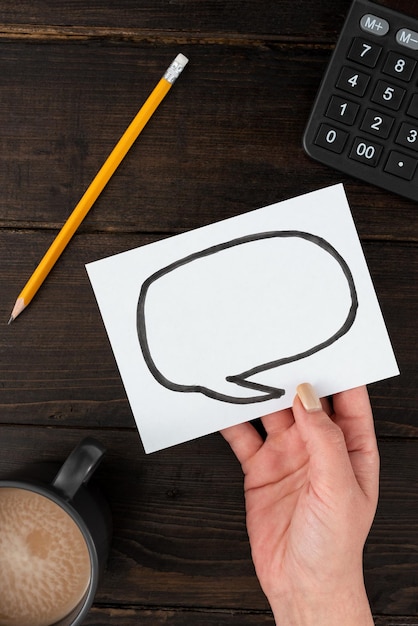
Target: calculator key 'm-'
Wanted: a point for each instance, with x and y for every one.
(407, 38)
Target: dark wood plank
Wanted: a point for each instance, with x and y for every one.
(390, 561)
(395, 621)
(179, 527)
(57, 365)
(245, 19)
(173, 617)
(226, 140)
(180, 538)
(101, 617)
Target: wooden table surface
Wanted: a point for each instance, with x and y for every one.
(226, 140)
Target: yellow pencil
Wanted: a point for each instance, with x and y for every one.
(98, 184)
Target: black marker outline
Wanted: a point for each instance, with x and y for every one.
(241, 379)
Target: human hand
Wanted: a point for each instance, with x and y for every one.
(311, 492)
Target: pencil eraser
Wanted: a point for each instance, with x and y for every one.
(176, 68)
(181, 59)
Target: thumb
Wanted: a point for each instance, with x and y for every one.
(329, 462)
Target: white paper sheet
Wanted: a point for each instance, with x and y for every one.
(219, 325)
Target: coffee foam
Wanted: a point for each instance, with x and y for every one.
(44, 560)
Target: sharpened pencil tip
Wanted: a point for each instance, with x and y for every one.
(17, 309)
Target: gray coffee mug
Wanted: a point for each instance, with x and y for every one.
(78, 511)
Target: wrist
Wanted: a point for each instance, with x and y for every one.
(345, 607)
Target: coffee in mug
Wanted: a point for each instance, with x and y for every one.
(54, 540)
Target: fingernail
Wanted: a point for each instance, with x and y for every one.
(309, 398)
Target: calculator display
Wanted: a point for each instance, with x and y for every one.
(365, 118)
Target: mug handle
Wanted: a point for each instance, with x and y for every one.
(78, 467)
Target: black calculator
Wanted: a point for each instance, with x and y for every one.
(365, 118)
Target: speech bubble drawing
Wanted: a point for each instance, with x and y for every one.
(211, 321)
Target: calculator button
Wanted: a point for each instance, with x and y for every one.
(375, 25)
(352, 81)
(399, 66)
(408, 136)
(401, 165)
(364, 121)
(331, 138)
(377, 123)
(366, 152)
(413, 106)
(388, 95)
(407, 38)
(342, 110)
(364, 52)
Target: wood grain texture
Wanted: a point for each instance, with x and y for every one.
(180, 538)
(128, 617)
(215, 19)
(71, 377)
(227, 140)
(176, 617)
(203, 156)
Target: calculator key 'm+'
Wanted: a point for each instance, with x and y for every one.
(364, 121)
